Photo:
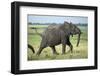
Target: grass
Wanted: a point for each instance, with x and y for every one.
(79, 52)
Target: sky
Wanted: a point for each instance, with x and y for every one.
(56, 19)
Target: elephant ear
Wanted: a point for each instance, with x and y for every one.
(68, 27)
(70, 23)
(71, 26)
(66, 23)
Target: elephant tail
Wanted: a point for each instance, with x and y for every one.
(32, 48)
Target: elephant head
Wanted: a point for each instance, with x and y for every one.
(72, 29)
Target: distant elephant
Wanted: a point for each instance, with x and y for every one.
(59, 34)
(30, 47)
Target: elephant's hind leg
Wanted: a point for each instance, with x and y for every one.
(40, 50)
(54, 50)
(42, 46)
(29, 46)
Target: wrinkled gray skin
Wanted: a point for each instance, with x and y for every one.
(59, 34)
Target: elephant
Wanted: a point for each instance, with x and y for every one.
(59, 34)
(30, 47)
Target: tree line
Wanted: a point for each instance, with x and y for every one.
(79, 24)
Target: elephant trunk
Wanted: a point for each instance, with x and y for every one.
(78, 40)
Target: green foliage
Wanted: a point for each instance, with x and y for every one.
(79, 52)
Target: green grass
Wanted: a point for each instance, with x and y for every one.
(79, 52)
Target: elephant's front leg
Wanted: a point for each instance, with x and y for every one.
(54, 50)
(71, 46)
(63, 48)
